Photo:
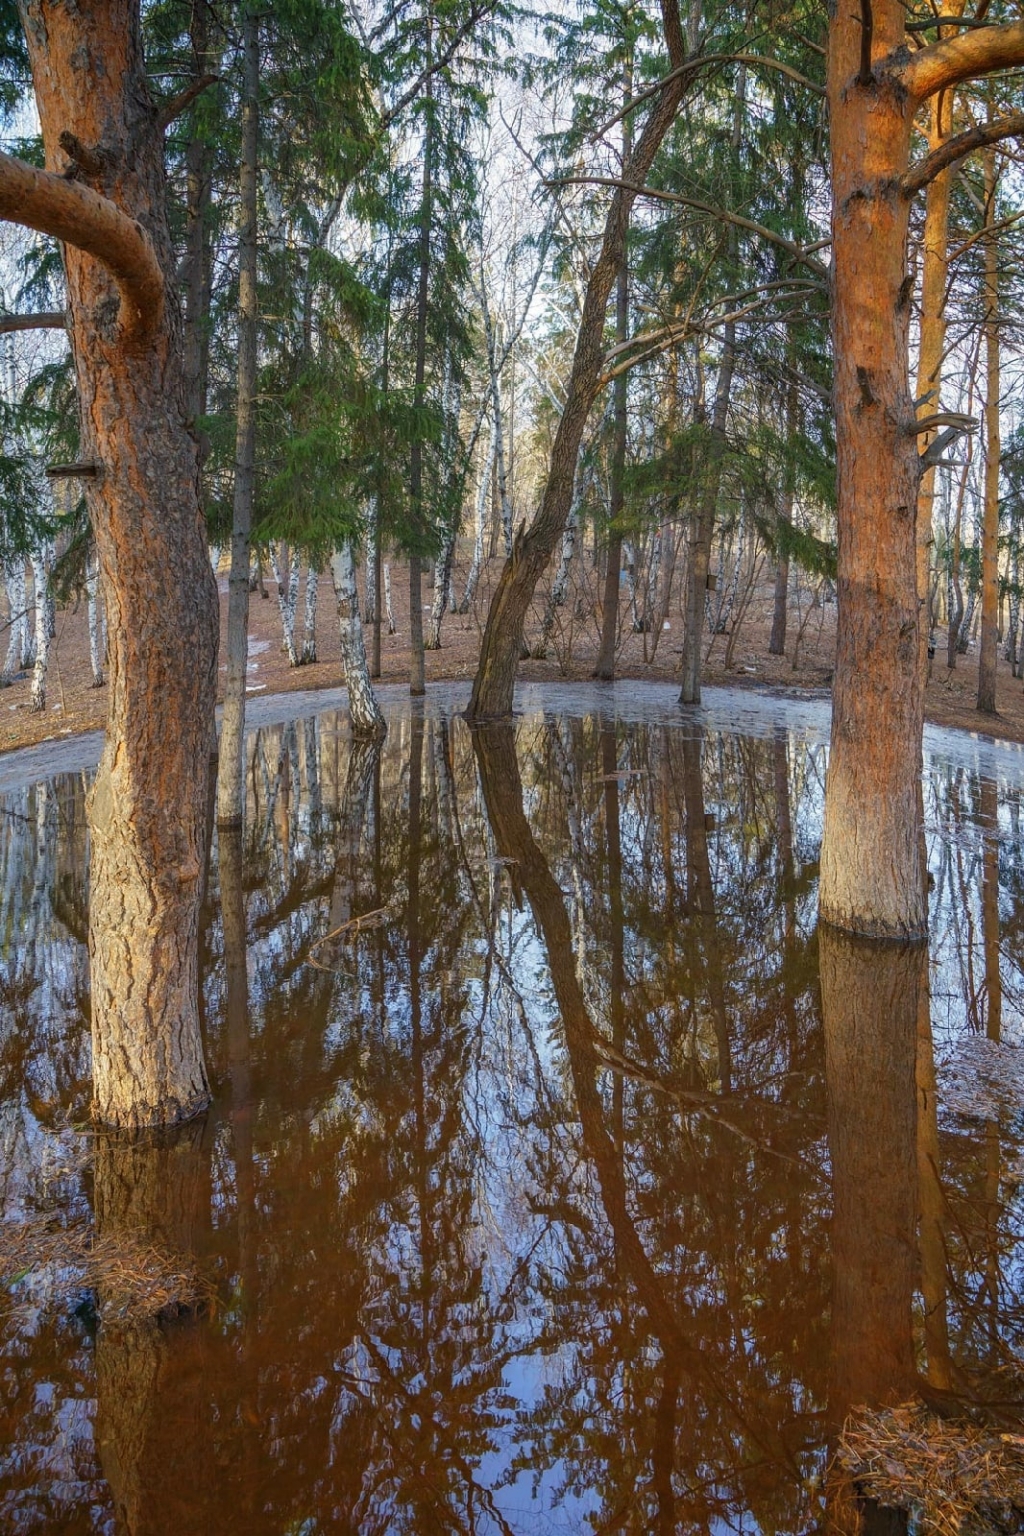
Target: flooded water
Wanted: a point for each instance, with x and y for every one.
(560, 1177)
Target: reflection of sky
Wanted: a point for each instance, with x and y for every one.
(517, 1019)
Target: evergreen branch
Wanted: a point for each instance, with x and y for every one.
(171, 110)
(958, 147)
(48, 320)
(693, 66)
(561, 214)
(799, 253)
(477, 13)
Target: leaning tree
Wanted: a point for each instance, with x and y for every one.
(102, 195)
(871, 876)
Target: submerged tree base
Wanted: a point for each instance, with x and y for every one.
(950, 1476)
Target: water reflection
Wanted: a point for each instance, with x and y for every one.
(550, 1183)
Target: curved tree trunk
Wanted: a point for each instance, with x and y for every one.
(500, 650)
(148, 804)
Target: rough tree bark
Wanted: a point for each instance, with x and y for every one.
(148, 804)
(532, 549)
(871, 877)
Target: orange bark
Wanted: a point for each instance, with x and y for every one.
(148, 806)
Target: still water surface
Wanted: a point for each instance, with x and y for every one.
(583, 1185)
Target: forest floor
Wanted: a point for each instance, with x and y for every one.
(73, 705)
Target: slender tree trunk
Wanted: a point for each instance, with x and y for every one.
(417, 683)
(364, 712)
(500, 650)
(95, 612)
(285, 562)
(932, 338)
(230, 780)
(480, 524)
(40, 582)
(702, 525)
(605, 668)
(148, 804)
(780, 610)
(988, 650)
(309, 621)
(17, 602)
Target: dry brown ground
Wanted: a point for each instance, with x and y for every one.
(73, 705)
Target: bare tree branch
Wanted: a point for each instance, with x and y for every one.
(178, 104)
(75, 214)
(958, 146)
(798, 252)
(948, 62)
(47, 320)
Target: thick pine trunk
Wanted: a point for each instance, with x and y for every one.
(148, 804)
(871, 880)
(231, 777)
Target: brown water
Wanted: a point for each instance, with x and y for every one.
(574, 1189)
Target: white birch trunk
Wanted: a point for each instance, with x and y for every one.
(215, 553)
(42, 606)
(286, 579)
(18, 645)
(309, 625)
(389, 613)
(370, 596)
(94, 600)
(482, 494)
(364, 712)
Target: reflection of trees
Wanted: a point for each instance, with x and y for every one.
(545, 1138)
(702, 1397)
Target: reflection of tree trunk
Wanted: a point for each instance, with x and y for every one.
(702, 898)
(932, 1204)
(232, 905)
(151, 1435)
(416, 1024)
(993, 1024)
(663, 1450)
(609, 767)
(503, 796)
(869, 995)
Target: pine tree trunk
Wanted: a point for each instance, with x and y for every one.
(147, 807)
(231, 781)
(871, 880)
(364, 712)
